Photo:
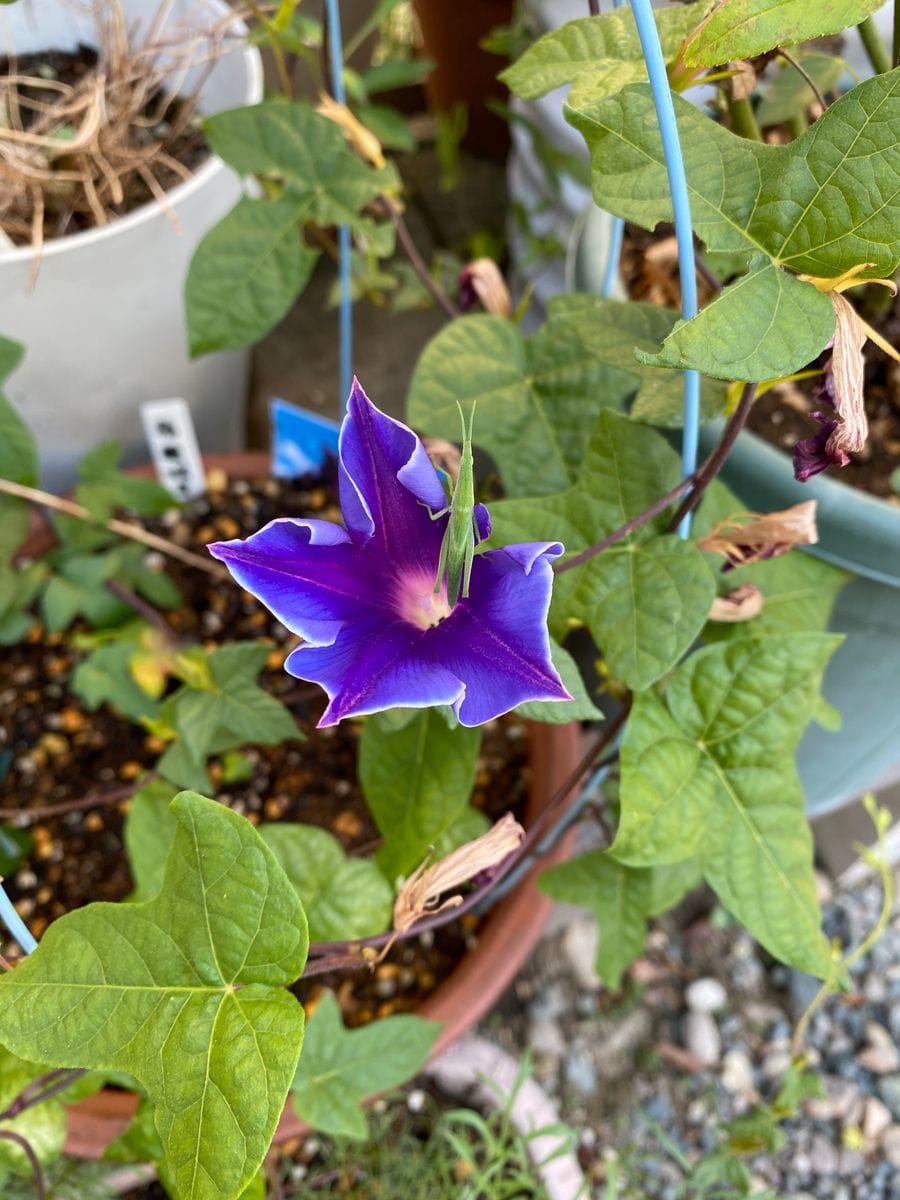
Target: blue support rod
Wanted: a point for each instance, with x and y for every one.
(345, 308)
(665, 114)
(14, 923)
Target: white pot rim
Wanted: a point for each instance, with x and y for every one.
(174, 196)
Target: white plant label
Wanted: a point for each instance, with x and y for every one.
(170, 434)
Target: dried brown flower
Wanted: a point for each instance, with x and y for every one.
(742, 604)
(420, 895)
(753, 537)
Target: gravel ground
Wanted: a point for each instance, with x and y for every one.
(701, 1034)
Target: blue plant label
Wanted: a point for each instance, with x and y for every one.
(169, 430)
(301, 440)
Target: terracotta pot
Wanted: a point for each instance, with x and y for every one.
(506, 939)
(463, 73)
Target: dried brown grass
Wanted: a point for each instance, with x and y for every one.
(77, 155)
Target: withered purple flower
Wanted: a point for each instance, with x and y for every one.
(376, 634)
(817, 453)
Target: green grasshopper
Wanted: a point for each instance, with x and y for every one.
(461, 534)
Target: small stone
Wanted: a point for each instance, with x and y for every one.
(824, 890)
(851, 1163)
(580, 948)
(776, 1063)
(580, 1072)
(881, 1055)
(701, 1038)
(737, 1073)
(803, 989)
(705, 996)
(890, 1145)
(876, 1119)
(889, 1090)
(824, 1156)
(550, 1003)
(875, 989)
(620, 1044)
(546, 1038)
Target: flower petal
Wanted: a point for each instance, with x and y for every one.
(373, 665)
(308, 573)
(388, 485)
(482, 523)
(496, 640)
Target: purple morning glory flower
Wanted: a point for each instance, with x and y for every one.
(375, 632)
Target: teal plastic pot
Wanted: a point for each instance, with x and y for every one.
(861, 534)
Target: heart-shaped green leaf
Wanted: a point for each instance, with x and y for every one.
(580, 708)
(820, 205)
(536, 396)
(604, 50)
(342, 897)
(341, 1067)
(645, 598)
(184, 992)
(289, 139)
(709, 771)
(743, 28)
(417, 779)
(622, 899)
(246, 273)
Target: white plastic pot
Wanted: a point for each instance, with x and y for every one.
(104, 326)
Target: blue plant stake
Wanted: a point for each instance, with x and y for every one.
(345, 311)
(665, 115)
(14, 923)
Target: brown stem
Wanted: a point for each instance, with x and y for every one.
(143, 609)
(475, 897)
(404, 237)
(41, 1089)
(594, 8)
(123, 528)
(325, 964)
(716, 460)
(92, 801)
(27, 1149)
(623, 531)
(789, 58)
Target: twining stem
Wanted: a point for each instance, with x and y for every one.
(881, 862)
(44, 1088)
(319, 950)
(139, 605)
(100, 800)
(874, 46)
(123, 528)
(27, 1149)
(716, 459)
(404, 237)
(798, 66)
(623, 531)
